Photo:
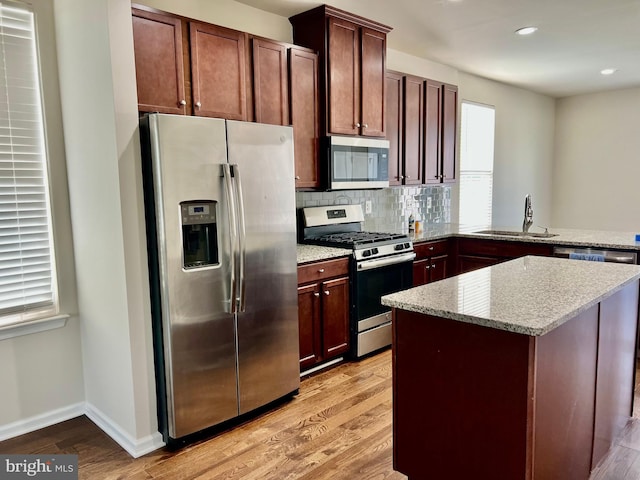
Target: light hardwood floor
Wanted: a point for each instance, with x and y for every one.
(338, 427)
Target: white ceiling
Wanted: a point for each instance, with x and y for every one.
(576, 38)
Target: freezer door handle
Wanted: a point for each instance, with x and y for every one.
(233, 237)
(241, 238)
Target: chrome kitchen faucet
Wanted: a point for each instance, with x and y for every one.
(528, 214)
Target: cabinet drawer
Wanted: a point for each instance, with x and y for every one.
(429, 249)
(318, 270)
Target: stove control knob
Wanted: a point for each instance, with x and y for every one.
(374, 250)
(366, 253)
(399, 246)
(406, 245)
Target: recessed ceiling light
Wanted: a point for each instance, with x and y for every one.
(608, 71)
(526, 30)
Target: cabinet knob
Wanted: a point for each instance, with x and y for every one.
(297, 177)
(326, 292)
(321, 270)
(365, 125)
(401, 177)
(431, 248)
(433, 266)
(408, 176)
(198, 104)
(358, 125)
(316, 294)
(428, 267)
(183, 102)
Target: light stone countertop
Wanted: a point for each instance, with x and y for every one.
(601, 239)
(565, 236)
(315, 253)
(529, 295)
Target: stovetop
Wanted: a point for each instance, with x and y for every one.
(341, 226)
(356, 239)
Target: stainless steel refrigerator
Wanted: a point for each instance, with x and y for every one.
(221, 229)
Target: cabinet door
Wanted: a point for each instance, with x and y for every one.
(438, 269)
(421, 271)
(157, 43)
(218, 60)
(303, 81)
(344, 78)
(432, 132)
(372, 94)
(309, 325)
(449, 122)
(270, 82)
(393, 114)
(413, 130)
(467, 263)
(335, 317)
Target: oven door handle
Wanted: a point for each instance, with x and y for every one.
(383, 262)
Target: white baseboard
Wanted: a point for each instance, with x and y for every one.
(43, 420)
(134, 447)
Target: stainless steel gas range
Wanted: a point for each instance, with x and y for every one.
(381, 263)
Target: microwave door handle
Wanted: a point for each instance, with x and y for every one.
(242, 237)
(233, 236)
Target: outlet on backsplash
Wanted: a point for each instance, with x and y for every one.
(367, 207)
(428, 203)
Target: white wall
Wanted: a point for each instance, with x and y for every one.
(97, 79)
(41, 374)
(524, 138)
(597, 161)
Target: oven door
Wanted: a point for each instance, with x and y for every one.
(370, 320)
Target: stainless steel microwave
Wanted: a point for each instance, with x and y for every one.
(356, 163)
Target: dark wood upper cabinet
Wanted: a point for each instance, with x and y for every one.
(270, 82)
(218, 65)
(441, 113)
(373, 67)
(303, 81)
(393, 115)
(352, 53)
(449, 123)
(433, 143)
(344, 77)
(413, 120)
(160, 73)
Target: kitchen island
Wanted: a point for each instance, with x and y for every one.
(523, 370)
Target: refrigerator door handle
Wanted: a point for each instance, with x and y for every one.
(233, 237)
(242, 248)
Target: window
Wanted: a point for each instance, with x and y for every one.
(476, 163)
(27, 274)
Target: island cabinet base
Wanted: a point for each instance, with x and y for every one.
(474, 402)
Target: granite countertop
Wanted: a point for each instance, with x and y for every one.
(564, 236)
(315, 253)
(529, 295)
(440, 231)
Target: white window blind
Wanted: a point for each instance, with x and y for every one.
(476, 164)
(27, 277)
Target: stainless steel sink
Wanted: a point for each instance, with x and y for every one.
(518, 234)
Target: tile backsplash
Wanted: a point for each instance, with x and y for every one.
(390, 207)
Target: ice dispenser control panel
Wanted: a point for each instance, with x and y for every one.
(199, 234)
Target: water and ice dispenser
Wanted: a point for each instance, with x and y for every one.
(199, 234)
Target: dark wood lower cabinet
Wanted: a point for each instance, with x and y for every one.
(475, 402)
(323, 311)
